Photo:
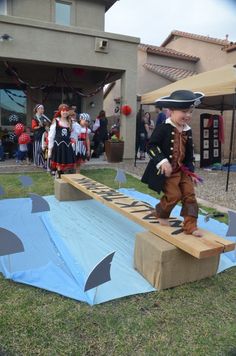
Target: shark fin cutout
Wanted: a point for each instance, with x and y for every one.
(100, 273)
(39, 204)
(120, 176)
(232, 224)
(9, 243)
(26, 181)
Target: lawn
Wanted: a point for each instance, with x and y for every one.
(194, 319)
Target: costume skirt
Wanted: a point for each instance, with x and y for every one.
(81, 151)
(37, 154)
(63, 156)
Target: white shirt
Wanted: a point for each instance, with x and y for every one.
(76, 129)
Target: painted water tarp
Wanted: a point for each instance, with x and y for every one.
(67, 247)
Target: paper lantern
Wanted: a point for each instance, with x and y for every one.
(126, 110)
(80, 72)
(23, 139)
(19, 128)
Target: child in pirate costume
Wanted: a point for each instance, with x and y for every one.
(45, 148)
(171, 167)
(38, 126)
(60, 148)
(83, 145)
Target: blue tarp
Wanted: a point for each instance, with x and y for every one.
(62, 247)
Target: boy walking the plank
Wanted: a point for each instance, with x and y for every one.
(171, 168)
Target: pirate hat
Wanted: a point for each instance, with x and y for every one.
(180, 99)
(84, 116)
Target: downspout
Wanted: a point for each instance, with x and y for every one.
(136, 134)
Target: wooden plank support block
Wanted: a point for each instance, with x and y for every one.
(208, 245)
(166, 266)
(65, 191)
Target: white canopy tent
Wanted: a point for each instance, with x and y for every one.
(219, 87)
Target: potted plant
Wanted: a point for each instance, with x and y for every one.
(114, 149)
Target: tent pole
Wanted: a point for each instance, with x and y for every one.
(231, 141)
(138, 117)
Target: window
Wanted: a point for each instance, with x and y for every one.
(3, 7)
(12, 106)
(62, 15)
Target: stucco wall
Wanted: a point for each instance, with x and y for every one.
(58, 44)
(211, 56)
(109, 102)
(87, 14)
(39, 10)
(231, 57)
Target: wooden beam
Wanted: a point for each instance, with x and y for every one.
(208, 245)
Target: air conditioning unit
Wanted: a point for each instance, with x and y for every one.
(101, 45)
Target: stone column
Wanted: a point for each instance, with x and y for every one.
(128, 97)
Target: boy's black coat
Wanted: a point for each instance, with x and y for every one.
(160, 146)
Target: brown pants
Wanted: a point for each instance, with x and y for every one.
(179, 187)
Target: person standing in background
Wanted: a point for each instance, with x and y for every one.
(83, 146)
(45, 148)
(161, 116)
(38, 126)
(142, 136)
(100, 134)
(150, 123)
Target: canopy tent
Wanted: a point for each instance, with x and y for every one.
(219, 87)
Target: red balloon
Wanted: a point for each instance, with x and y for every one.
(23, 139)
(19, 128)
(126, 110)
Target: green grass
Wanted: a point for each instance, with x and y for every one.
(42, 185)
(194, 319)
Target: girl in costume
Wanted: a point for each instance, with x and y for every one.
(38, 126)
(83, 143)
(60, 148)
(45, 148)
(171, 168)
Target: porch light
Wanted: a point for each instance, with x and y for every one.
(5, 37)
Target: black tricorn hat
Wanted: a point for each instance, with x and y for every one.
(180, 99)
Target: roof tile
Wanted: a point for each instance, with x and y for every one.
(167, 52)
(195, 37)
(170, 73)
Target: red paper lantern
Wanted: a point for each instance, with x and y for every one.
(126, 110)
(19, 128)
(80, 72)
(23, 139)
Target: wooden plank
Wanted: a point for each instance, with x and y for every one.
(208, 245)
